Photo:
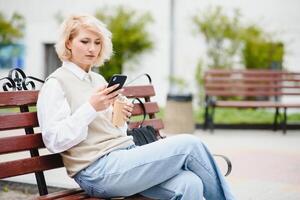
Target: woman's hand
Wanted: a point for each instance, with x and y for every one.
(101, 99)
(127, 110)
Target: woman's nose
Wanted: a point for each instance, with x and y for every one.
(92, 47)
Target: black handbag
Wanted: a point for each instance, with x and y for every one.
(143, 134)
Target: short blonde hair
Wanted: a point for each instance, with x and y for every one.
(69, 29)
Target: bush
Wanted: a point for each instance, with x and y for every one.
(130, 37)
(12, 29)
(261, 51)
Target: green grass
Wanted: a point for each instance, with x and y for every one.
(245, 116)
(240, 116)
(16, 109)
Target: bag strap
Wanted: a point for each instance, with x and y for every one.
(143, 108)
(138, 99)
(228, 162)
(145, 74)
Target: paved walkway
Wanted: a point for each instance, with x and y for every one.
(266, 164)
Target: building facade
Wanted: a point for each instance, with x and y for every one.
(42, 25)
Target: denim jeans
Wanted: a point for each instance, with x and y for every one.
(178, 167)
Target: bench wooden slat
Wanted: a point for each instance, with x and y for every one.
(18, 98)
(30, 165)
(60, 194)
(78, 196)
(139, 91)
(18, 120)
(151, 107)
(238, 93)
(291, 105)
(249, 72)
(137, 197)
(247, 104)
(156, 123)
(21, 143)
(78, 193)
(256, 104)
(244, 86)
(250, 79)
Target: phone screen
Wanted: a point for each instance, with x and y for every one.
(117, 79)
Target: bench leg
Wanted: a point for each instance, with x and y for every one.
(275, 122)
(206, 113)
(40, 178)
(205, 123)
(211, 119)
(284, 121)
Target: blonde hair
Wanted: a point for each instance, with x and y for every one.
(69, 29)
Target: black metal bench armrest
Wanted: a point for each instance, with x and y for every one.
(17, 80)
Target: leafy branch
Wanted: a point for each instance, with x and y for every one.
(11, 29)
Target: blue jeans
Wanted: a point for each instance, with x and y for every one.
(178, 167)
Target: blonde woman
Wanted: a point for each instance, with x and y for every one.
(75, 111)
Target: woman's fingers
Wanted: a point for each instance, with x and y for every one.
(127, 113)
(126, 118)
(104, 97)
(110, 89)
(113, 95)
(128, 108)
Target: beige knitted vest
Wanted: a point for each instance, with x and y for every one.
(102, 136)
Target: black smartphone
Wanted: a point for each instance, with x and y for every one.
(117, 79)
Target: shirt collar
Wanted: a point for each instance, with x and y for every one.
(76, 70)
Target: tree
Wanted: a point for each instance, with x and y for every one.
(221, 34)
(130, 37)
(228, 39)
(12, 29)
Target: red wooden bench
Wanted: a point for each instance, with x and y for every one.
(249, 89)
(22, 118)
(26, 120)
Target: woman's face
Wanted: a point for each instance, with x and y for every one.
(85, 48)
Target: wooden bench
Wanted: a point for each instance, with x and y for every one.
(21, 118)
(249, 89)
(26, 120)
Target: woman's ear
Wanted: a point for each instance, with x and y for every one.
(68, 44)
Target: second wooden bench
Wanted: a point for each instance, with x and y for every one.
(250, 89)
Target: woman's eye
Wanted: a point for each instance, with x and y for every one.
(84, 41)
(97, 43)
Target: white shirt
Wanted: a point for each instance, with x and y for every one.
(61, 129)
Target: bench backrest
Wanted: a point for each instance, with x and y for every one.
(144, 92)
(251, 83)
(17, 114)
